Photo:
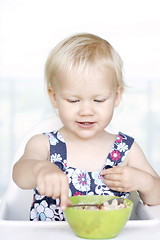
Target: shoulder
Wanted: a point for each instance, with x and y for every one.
(137, 159)
(38, 145)
(39, 139)
(136, 156)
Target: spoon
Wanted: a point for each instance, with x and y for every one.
(119, 200)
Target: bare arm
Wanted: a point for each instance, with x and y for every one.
(34, 157)
(135, 174)
(34, 170)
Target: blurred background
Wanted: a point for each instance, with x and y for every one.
(29, 29)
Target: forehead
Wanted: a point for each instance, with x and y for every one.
(102, 77)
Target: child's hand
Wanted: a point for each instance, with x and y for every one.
(52, 182)
(122, 179)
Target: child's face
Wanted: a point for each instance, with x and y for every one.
(86, 105)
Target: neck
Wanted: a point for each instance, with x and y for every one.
(71, 137)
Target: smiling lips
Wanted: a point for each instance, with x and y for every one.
(86, 124)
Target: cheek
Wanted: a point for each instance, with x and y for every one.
(108, 108)
(65, 113)
(107, 112)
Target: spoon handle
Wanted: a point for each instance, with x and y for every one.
(86, 205)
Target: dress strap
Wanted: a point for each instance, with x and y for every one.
(120, 149)
(58, 151)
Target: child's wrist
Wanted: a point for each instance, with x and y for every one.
(146, 184)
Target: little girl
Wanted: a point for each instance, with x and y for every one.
(85, 84)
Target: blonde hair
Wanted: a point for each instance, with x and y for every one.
(81, 51)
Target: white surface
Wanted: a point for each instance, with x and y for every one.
(18, 230)
(155, 211)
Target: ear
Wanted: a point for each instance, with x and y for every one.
(52, 96)
(118, 96)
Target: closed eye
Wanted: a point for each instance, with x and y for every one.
(72, 100)
(99, 100)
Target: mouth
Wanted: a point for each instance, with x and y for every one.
(86, 124)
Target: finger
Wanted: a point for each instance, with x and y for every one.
(64, 194)
(69, 203)
(114, 185)
(117, 189)
(51, 193)
(112, 177)
(41, 187)
(111, 170)
(111, 183)
(56, 191)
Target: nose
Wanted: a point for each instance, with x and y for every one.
(86, 109)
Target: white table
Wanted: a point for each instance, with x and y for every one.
(25, 230)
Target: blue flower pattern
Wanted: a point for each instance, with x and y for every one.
(81, 182)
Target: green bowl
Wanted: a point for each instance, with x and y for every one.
(96, 223)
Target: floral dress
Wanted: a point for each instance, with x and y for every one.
(80, 182)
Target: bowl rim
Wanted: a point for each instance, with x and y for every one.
(99, 196)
